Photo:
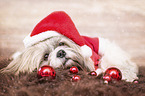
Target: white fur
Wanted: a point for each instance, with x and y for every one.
(16, 54)
(32, 57)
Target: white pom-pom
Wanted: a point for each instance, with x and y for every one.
(86, 51)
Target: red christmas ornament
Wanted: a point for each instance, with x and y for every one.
(76, 78)
(93, 73)
(135, 81)
(46, 71)
(107, 78)
(74, 70)
(112, 73)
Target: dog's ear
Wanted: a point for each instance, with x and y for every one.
(27, 61)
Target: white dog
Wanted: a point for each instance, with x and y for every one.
(55, 41)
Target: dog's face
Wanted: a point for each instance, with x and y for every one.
(58, 52)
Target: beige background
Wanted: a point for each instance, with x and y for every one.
(121, 21)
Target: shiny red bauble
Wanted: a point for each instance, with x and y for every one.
(46, 71)
(136, 82)
(93, 73)
(76, 78)
(74, 70)
(112, 73)
(107, 78)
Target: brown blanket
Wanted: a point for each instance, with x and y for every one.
(29, 85)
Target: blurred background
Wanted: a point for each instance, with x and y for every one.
(121, 21)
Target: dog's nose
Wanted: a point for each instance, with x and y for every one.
(61, 53)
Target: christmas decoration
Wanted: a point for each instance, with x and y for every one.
(73, 70)
(76, 78)
(112, 73)
(93, 73)
(46, 71)
(107, 79)
(135, 81)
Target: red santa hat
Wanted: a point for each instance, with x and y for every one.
(59, 23)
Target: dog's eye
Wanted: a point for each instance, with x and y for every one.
(61, 44)
(46, 56)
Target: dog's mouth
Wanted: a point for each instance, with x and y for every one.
(71, 62)
(69, 59)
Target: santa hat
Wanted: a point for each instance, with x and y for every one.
(59, 23)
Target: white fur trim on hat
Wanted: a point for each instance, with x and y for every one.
(86, 51)
(29, 41)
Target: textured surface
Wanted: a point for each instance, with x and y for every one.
(29, 85)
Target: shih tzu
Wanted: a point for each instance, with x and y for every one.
(55, 41)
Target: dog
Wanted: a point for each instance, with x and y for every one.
(55, 41)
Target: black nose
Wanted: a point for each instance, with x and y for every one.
(61, 53)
